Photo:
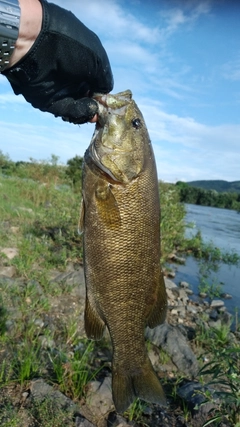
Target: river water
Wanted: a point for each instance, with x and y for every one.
(222, 227)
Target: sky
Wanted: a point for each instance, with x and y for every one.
(180, 59)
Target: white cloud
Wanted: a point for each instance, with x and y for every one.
(111, 18)
(231, 69)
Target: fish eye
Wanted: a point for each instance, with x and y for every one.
(136, 123)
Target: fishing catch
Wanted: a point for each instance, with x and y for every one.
(120, 219)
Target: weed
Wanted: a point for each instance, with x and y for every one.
(74, 372)
(8, 416)
(135, 411)
(213, 337)
(48, 414)
(26, 362)
(224, 372)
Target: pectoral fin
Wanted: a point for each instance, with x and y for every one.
(159, 310)
(107, 206)
(94, 326)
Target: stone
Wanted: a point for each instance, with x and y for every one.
(213, 315)
(194, 395)
(117, 420)
(40, 390)
(216, 324)
(69, 277)
(171, 274)
(226, 318)
(203, 295)
(99, 397)
(226, 296)
(8, 271)
(80, 421)
(217, 303)
(184, 285)
(175, 344)
(169, 284)
(10, 253)
(189, 291)
(191, 309)
(170, 295)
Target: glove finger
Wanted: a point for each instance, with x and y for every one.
(74, 111)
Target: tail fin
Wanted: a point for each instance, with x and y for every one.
(145, 385)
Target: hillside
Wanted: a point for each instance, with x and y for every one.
(218, 185)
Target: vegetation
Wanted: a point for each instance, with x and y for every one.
(208, 197)
(220, 186)
(41, 335)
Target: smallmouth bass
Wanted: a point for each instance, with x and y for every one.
(120, 220)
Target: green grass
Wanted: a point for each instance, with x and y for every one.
(39, 336)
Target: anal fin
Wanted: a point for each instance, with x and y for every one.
(159, 310)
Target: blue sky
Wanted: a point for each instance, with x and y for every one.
(181, 60)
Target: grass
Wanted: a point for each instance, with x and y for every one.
(223, 370)
(41, 333)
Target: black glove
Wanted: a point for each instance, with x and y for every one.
(65, 66)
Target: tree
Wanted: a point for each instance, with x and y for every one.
(74, 171)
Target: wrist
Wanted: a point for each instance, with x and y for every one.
(9, 30)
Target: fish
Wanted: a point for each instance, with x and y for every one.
(120, 221)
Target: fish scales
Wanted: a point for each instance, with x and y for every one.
(120, 220)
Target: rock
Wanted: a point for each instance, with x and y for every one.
(213, 315)
(116, 420)
(171, 274)
(175, 344)
(169, 284)
(154, 357)
(194, 394)
(226, 296)
(203, 295)
(174, 258)
(69, 277)
(99, 398)
(226, 318)
(191, 309)
(8, 271)
(217, 303)
(10, 252)
(184, 285)
(216, 324)
(41, 390)
(170, 295)
(189, 291)
(80, 421)
(188, 332)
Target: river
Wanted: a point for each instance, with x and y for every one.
(222, 227)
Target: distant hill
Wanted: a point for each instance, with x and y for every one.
(218, 185)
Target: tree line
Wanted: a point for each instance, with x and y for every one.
(199, 196)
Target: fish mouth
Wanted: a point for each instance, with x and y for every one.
(109, 107)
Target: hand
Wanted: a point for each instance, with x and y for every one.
(65, 66)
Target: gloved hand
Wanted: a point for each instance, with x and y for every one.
(66, 65)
